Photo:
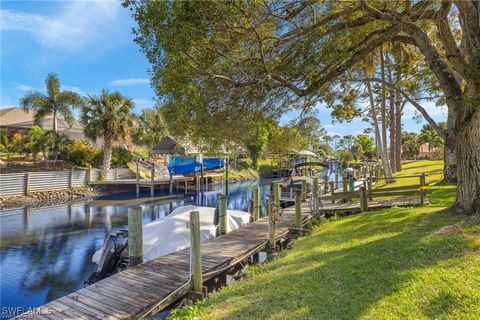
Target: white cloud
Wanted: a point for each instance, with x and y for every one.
(74, 89)
(73, 26)
(24, 87)
(432, 110)
(129, 82)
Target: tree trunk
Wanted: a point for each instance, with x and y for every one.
(468, 165)
(381, 151)
(55, 125)
(384, 103)
(393, 132)
(398, 136)
(107, 157)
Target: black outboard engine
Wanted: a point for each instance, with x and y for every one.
(114, 257)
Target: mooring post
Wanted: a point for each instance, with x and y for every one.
(336, 180)
(315, 194)
(271, 224)
(332, 192)
(70, 178)
(422, 186)
(89, 174)
(226, 177)
(222, 214)
(135, 236)
(256, 203)
(363, 198)
(26, 183)
(137, 189)
(370, 194)
(195, 251)
(152, 181)
(304, 190)
(298, 210)
(277, 194)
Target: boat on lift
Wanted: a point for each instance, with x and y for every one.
(160, 237)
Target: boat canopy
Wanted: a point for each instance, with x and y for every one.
(181, 165)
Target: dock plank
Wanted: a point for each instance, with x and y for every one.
(159, 282)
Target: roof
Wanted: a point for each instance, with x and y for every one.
(166, 146)
(19, 119)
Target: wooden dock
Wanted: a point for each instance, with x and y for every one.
(154, 285)
(340, 207)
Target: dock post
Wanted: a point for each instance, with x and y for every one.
(363, 199)
(170, 186)
(336, 180)
(370, 188)
(271, 224)
(277, 194)
(70, 178)
(304, 190)
(222, 215)
(26, 183)
(89, 174)
(138, 180)
(226, 177)
(135, 236)
(152, 178)
(298, 210)
(256, 203)
(195, 251)
(422, 185)
(332, 191)
(315, 194)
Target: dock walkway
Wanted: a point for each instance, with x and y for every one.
(157, 283)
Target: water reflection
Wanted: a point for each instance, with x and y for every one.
(46, 253)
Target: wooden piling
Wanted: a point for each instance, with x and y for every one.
(336, 180)
(304, 190)
(298, 211)
(422, 186)
(70, 179)
(256, 203)
(332, 191)
(26, 183)
(195, 251)
(363, 199)
(370, 188)
(152, 181)
(89, 173)
(135, 236)
(271, 224)
(222, 214)
(315, 194)
(277, 194)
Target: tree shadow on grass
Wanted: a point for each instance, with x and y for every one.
(339, 272)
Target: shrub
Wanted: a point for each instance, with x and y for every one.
(81, 153)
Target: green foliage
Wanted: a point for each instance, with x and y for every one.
(435, 143)
(366, 145)
(120, 156)
(150, 128)
(56, 102)
(108, 116)
(81, 153)
(410, 145)
(431, 275)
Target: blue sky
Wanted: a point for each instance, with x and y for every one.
(89, 44)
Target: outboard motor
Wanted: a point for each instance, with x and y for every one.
(114, 257)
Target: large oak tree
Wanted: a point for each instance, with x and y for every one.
(247, 56)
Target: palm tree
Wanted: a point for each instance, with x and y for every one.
(108, 116)
(56, 102)
(150, 128)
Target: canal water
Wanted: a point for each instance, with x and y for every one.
(46, 253)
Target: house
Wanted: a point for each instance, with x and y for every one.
(15, 119)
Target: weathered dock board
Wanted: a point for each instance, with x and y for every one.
(157, 283)
(329, 207)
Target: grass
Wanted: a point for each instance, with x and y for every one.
(388, 264)
(432, 168)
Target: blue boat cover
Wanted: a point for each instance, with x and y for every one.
(179, 165)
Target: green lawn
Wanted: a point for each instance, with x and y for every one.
(388, 264)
